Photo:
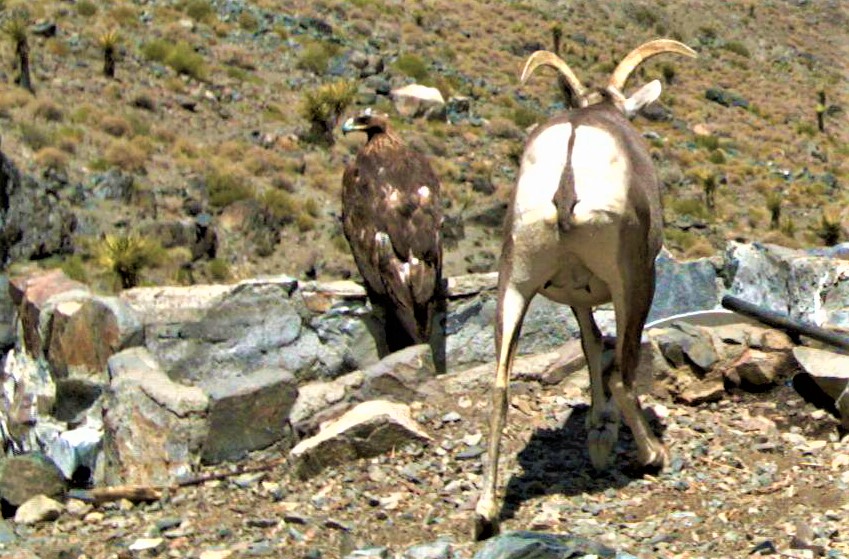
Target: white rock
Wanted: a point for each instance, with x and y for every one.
(38, 509)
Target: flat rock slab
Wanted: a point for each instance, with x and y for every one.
(369, 429)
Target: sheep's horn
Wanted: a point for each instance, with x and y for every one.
(642, 53)
(548, 58)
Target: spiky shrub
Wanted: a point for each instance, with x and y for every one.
(829, 226)
(324, 106)
(184, 60)
(16, 29)
(109, 42)
(773, 204)
(127, 256)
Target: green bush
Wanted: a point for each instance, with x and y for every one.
(524, 117)
(316, 56)
(413, 66)
(281, 207)
(157, 50)
(86, 8)
(219, 269)
(225, 188)
(738, 48)
(184, 60)
(34, 136)
(199, 10)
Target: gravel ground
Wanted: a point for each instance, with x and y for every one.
(756, 473)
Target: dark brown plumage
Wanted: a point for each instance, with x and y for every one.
(391, 216)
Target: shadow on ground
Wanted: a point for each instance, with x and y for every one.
(556, 462)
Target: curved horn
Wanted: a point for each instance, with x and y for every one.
(642, 53)
(547, 58)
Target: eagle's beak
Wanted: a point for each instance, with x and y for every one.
(349, 126)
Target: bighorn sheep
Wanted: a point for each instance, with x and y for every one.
(583, 229)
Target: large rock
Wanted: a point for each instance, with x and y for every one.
(248, 414)
(23, 477)
(683, 287)
(204, 334)
(31, 292)
(417, 100)
(810, 288)
(154, 427)
(28, 394)
(367, 430)
(84, 332)
(829, 371)
(38, 509)
(25, 201)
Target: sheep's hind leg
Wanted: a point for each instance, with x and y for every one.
(603, 419)
(630, 319)
(512, 305)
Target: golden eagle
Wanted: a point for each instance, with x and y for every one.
(391, 216)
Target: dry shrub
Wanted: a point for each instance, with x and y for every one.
(47, 110)
(262, 162)
(127, 156)
(14, 98)
(116, 126)
(52, 158)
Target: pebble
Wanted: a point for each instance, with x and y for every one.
(451, 417)
(147, 544)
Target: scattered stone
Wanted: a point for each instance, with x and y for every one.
(434, 550)
(369, 429)
(759, 369)
(38, 509)
(399, 375)
(540, 545)
(152, 545)
(7, 533)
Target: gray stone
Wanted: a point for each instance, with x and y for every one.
(540, 545)
(683, 287)
(154, 427)
(313, 397)
(28, 201)
(830, 372)
(369, 429)
(433, 550)
(7, 533)
(399, 375)
(684, 344)
(74, 449)
(28, 393)
(38, 509)
(24, 477)
(248, 414)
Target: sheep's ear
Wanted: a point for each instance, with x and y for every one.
(649, 93)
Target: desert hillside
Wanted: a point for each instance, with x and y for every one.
(213, 111)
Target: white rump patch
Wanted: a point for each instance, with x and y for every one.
(539, 177)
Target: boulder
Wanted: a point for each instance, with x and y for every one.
(829, 372)
(418, 101)
(25, 476)
(248, 414)
(84, 332)
(28, 394)
(31, 292)
(369, 429)
(683, 287)
(154, 427)
(759, 369)
(684, 344)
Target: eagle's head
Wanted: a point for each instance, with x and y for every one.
(369, 122)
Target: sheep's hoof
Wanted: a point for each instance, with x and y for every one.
(485, 528)
(655, 459)
(601, 439)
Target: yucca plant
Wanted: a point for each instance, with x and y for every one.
(126, 256)
(16, 29)
(323, 107)
(109, 42)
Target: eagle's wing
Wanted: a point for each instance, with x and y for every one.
(399, 197)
